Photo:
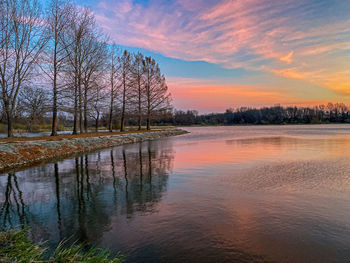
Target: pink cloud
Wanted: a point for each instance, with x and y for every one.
(215, 33)
(251, 34)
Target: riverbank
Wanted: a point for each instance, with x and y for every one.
(22, 152)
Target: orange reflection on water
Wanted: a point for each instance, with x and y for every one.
(229, 151)
(255, 149)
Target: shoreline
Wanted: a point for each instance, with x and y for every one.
(259, 125)
(17, 153)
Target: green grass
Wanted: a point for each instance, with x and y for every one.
(152, 127)
(19, 127)
(3, 128)
(16, 247)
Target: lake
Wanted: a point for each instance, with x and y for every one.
(218, 194)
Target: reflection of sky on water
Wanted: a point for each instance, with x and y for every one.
(238, 196)
(78, 196)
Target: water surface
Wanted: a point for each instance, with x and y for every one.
(218, 194)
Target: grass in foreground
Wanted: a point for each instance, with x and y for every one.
(16, 247)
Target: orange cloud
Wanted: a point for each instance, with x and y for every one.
(288, 58)
(291, 73)
(338, 81)
(196, 94)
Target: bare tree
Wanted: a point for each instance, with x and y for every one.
(81, 23)
(124, 63)
(93, 67)
(72, 53)
(137, 75)
(34, 103)
(21, 42)
(57, 25)
(98, 102)
(6, 27)
(156, 90)
(113, 73)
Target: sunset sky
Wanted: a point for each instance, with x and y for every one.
(230, 53)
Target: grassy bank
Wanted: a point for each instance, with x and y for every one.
(71, 136)
(22, 152)
(22, 128)
(15, 246)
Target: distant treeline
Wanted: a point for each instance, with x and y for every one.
(330, 113)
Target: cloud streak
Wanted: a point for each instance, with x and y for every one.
(306, 40)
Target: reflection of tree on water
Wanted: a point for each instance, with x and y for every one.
(58, 201)
(114, 178)
(139, 187)
(12, 211)
(79, 197)
(146, 175)
(140, 164)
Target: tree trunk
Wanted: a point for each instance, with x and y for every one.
(75, 127)
(96, 121)
(148, 108)
(80, 109)
(85, 110)
(140, 110)
(54, 99)
(54, 106)
(54, 115)
(148, 120)
(148, 101)
(122, 121)
(140, 122)
(9, 122)
(110, 126)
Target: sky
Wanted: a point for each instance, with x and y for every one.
(231, 53)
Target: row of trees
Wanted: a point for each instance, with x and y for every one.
(330, 113)
(63, 54)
